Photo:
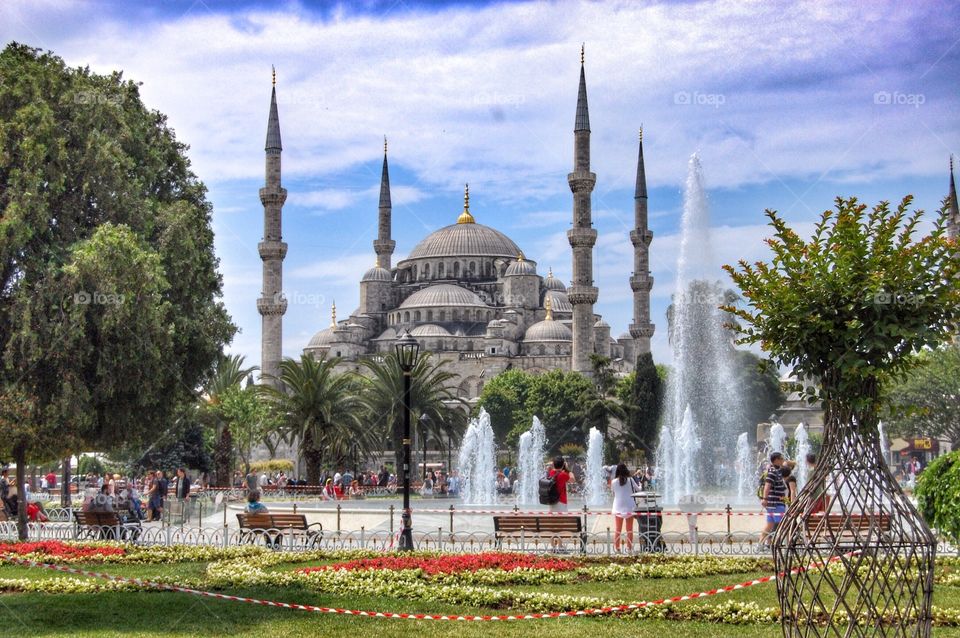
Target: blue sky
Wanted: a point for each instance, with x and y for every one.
(789, 105)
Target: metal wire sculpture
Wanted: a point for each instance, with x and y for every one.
(852, 508)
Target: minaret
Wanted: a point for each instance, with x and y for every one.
(953, 216)
(383, 245)
(582, 293)
(272, 304)
(641, 282)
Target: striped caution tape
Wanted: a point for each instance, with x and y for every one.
(406, 616)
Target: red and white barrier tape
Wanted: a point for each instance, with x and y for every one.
(407, 616)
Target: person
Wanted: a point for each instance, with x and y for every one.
(426, 491)
(774, 489)
(453, 484)
(383, 477)
(158, 492)
(254, 506)
(51, 480)
(328, 493)
(8, 503)
(562, 475)
(183, 493)
(35, 512)
(623, 485)
(791, 481)
(251, 481)
(102, 502)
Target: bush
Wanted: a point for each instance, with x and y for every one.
(938, 495)
(272, 465)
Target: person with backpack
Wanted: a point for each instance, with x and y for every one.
(561, 476)
(623, 486)
(774, 489)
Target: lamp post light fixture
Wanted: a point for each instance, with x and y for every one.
(407, 352)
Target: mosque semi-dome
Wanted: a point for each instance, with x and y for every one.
(552, 283)
(548, 330)
(430, 330)
(521, 267)
(559, 301)
(442, 295)
(322, 339)
(377, 274)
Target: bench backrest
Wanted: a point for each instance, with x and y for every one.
(288, 521)
(840, 523)
(255, 521)
(100, 519)
(537, 524)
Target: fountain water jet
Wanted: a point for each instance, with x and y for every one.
(596, 486)
(477, 461)
(702, 388)
(778, 439)
(802, 440)
(745, 471)
(530, 464)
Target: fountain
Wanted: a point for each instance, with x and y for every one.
(596, 479)
(746, 474)
(778, 440)
(884, 443)
(701, 390)
(477, 463)
(530, 464)
(802, 440)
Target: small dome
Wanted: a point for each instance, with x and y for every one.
(600, 323)
(548, 330)
(558, 301)
(322, 339)
(442, 295)
(389, 333)
(429, 330)
(552, 283)
(377, 274)
(520, 267)
(625, 337)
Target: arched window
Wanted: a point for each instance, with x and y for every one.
(426, 271)
(406, 316)
(454, 315)
(416, 315)
(486, 268)
(541, 349)
(429, 315)
(440, 270)
(456, 269)
(443, 315)
(414, 272)
(473, 267)
(558, 349)
(469, 346)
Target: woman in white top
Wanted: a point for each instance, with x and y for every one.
(623, 486)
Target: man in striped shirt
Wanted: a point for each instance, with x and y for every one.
(774, 489)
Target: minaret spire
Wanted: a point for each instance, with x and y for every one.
(466, 217)
(641, 282)
(272, 304)
(383, 245)
(953, 217)
(582, 237)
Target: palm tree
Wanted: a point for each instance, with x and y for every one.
(433, 392)
(228, 373)
(321, 411)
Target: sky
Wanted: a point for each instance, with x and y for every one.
(788, 105)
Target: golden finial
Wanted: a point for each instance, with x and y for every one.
(465, 216)
(384, 144)
(548, 306)
(274, 69)
(641, 133)
(520, 256)
(333, 314)
(582, 47)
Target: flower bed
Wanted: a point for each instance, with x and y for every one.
(62, 552)
(456, 564)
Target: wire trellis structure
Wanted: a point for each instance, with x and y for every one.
(852, 509)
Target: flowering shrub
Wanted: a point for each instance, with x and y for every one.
(60, 551)
(454, 564)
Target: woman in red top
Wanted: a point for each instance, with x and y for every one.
(562, 476)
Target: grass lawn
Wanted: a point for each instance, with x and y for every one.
(169, 614)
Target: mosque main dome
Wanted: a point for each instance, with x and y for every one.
(465, 240)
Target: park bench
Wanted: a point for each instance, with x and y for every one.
(846, 528)
(272, 527)
(104, 526)
(535, 527)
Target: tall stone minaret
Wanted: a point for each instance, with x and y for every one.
(582, 293)
(953, 216)
(272, 304)
(383, 245)
(641, 282)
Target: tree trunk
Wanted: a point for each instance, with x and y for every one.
(65, 484)
(20, 457)
(223, 458)
(312, 457)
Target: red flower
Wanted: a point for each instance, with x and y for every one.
(59, 549)
(452, 564)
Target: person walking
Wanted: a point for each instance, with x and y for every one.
(183, 493)
(562, 475)
(623, 486)
(774, 490)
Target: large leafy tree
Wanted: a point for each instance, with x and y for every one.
(110, 315)
(557, 397)
(250, 418)
(641, 394)
(600, 404)
(505, 400)
(850, 306)
(321, 411)
(759, 385)
(433, 392)
(228, 374)
(927, 400)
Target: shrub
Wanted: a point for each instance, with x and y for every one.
(938, 494)
(272, 465)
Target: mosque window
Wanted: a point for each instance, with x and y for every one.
(454, 315)
(406, 316)
(469, 346)
(440, 269)
(558, 349)
(416, 315)
(443, 315)
(456, 269)
(414, 272)
(486, 268)
(429, 315)
(541, 349)
(473, 267)
(426, 271)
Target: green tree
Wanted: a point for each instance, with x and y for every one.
(759, 384)
(938, 494)
(600, 403)
(505, 400)
(319, 410)
(641, 393)
(557, 398)
(106, 258)
(227, 376)
(250, 419)
(927, 400)
(433, 391)
(850, 306)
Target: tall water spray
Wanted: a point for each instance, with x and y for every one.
(884, 442)
(530, 464)
(596, 487)
(778, 439)
(802, 439)
(478, 462)
(746, 472)
(702, 380)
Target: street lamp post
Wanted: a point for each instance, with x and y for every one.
(407, 351)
